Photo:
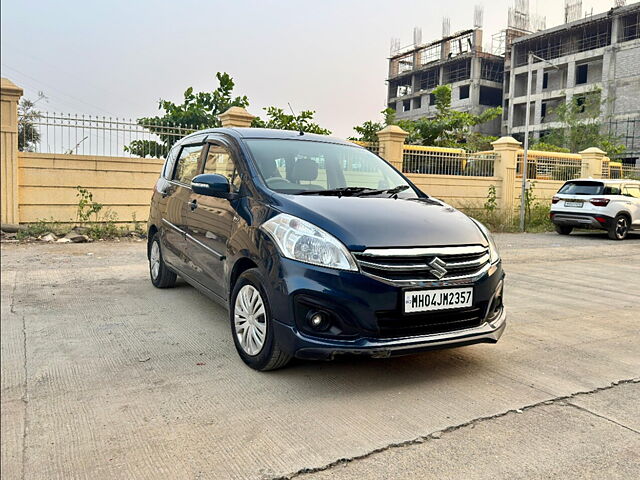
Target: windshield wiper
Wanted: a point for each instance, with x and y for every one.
(390, 191)
(346, 191)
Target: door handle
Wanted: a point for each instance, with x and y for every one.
(193, 204)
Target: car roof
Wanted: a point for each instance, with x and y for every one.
(269, 133)
(604, 180)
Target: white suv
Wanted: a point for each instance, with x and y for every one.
(611, 205)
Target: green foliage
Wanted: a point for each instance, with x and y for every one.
(583, 127)
(449, 128)
(39, 228)
(491, 203)
(106, 227)
(278, 119)
(198, 110)
(28, 134)
(536, 214)
(86, 206)
(368, 131)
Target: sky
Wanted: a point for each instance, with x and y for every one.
(118, 58)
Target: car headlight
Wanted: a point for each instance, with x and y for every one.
(300, 240)
(494, 255)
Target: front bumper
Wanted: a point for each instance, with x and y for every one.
(317, 348)
(367, 310)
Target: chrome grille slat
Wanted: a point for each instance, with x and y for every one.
(411, 266)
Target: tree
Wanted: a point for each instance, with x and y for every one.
(199, 110)
(278, 119)
(583, 127)
(28, 134)
(367, 132)
(449, 128)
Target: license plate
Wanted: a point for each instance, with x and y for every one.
(443, 299)
(573, 204)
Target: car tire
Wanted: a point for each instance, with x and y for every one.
(161, 275)
(619, 228)
(252, 324)
(564, 229)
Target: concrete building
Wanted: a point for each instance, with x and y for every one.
(596, 55)
(458, 60)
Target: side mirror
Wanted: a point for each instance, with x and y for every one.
(212, 185)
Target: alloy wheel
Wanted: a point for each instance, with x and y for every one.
(154, 260)
(621, 227)
(250, 320)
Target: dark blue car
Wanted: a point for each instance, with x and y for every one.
(318, 247)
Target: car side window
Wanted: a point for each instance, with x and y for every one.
(611, 189)
(170, 162)
(187, 165)
(220, 161)
(632, 191)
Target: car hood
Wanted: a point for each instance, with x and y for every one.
(373, 222)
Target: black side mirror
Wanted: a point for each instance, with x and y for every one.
(212, 185)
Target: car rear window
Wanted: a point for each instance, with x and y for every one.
(582, 188)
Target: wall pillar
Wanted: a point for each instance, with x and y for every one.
(9, 97)
(236, 117)
(507, 149)
(592, 159)
(391, 139)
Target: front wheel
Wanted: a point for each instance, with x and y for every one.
(563, 229)
(619, 228)
(252, 326)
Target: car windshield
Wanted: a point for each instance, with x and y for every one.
(582, 188)
(307, 168)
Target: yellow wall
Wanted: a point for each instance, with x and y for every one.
(456, 190)
(47, 185)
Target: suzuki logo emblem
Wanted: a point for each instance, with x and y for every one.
(437, 268)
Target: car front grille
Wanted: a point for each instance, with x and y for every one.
(407, 266)
(395, 325)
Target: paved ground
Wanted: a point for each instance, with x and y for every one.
(104, 376)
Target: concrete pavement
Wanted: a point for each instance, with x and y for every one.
(104, 376)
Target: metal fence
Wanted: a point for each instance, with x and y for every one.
(447, 161)
(550, 165)
(93, 135)
(373, 147)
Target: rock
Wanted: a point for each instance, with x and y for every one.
(49, 237)
(76, 237)
(63, 240)
(436, 434)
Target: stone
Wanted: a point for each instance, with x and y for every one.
(76, 237)
(49, 237)
(63, 240)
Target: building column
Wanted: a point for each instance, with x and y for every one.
(504, 168)
(592, 160)
(9, 97)
(391, 139)
(236, 117)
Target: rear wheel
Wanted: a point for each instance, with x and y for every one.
(161, 276)
(619, 228)
(563, 229)
(252, 325)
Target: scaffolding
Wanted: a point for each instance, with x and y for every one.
(630, 27)
(492, 70)
(457, 71)
(429, 79)
(595, 34)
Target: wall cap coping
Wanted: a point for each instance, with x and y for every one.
(236, 115)
(7, 87)
(392, 132)
(507, 141)
(593, 151)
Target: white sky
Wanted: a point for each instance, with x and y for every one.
(117, 58)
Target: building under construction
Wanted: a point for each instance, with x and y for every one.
(587, 55)
(597, 55)
(458, 60)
